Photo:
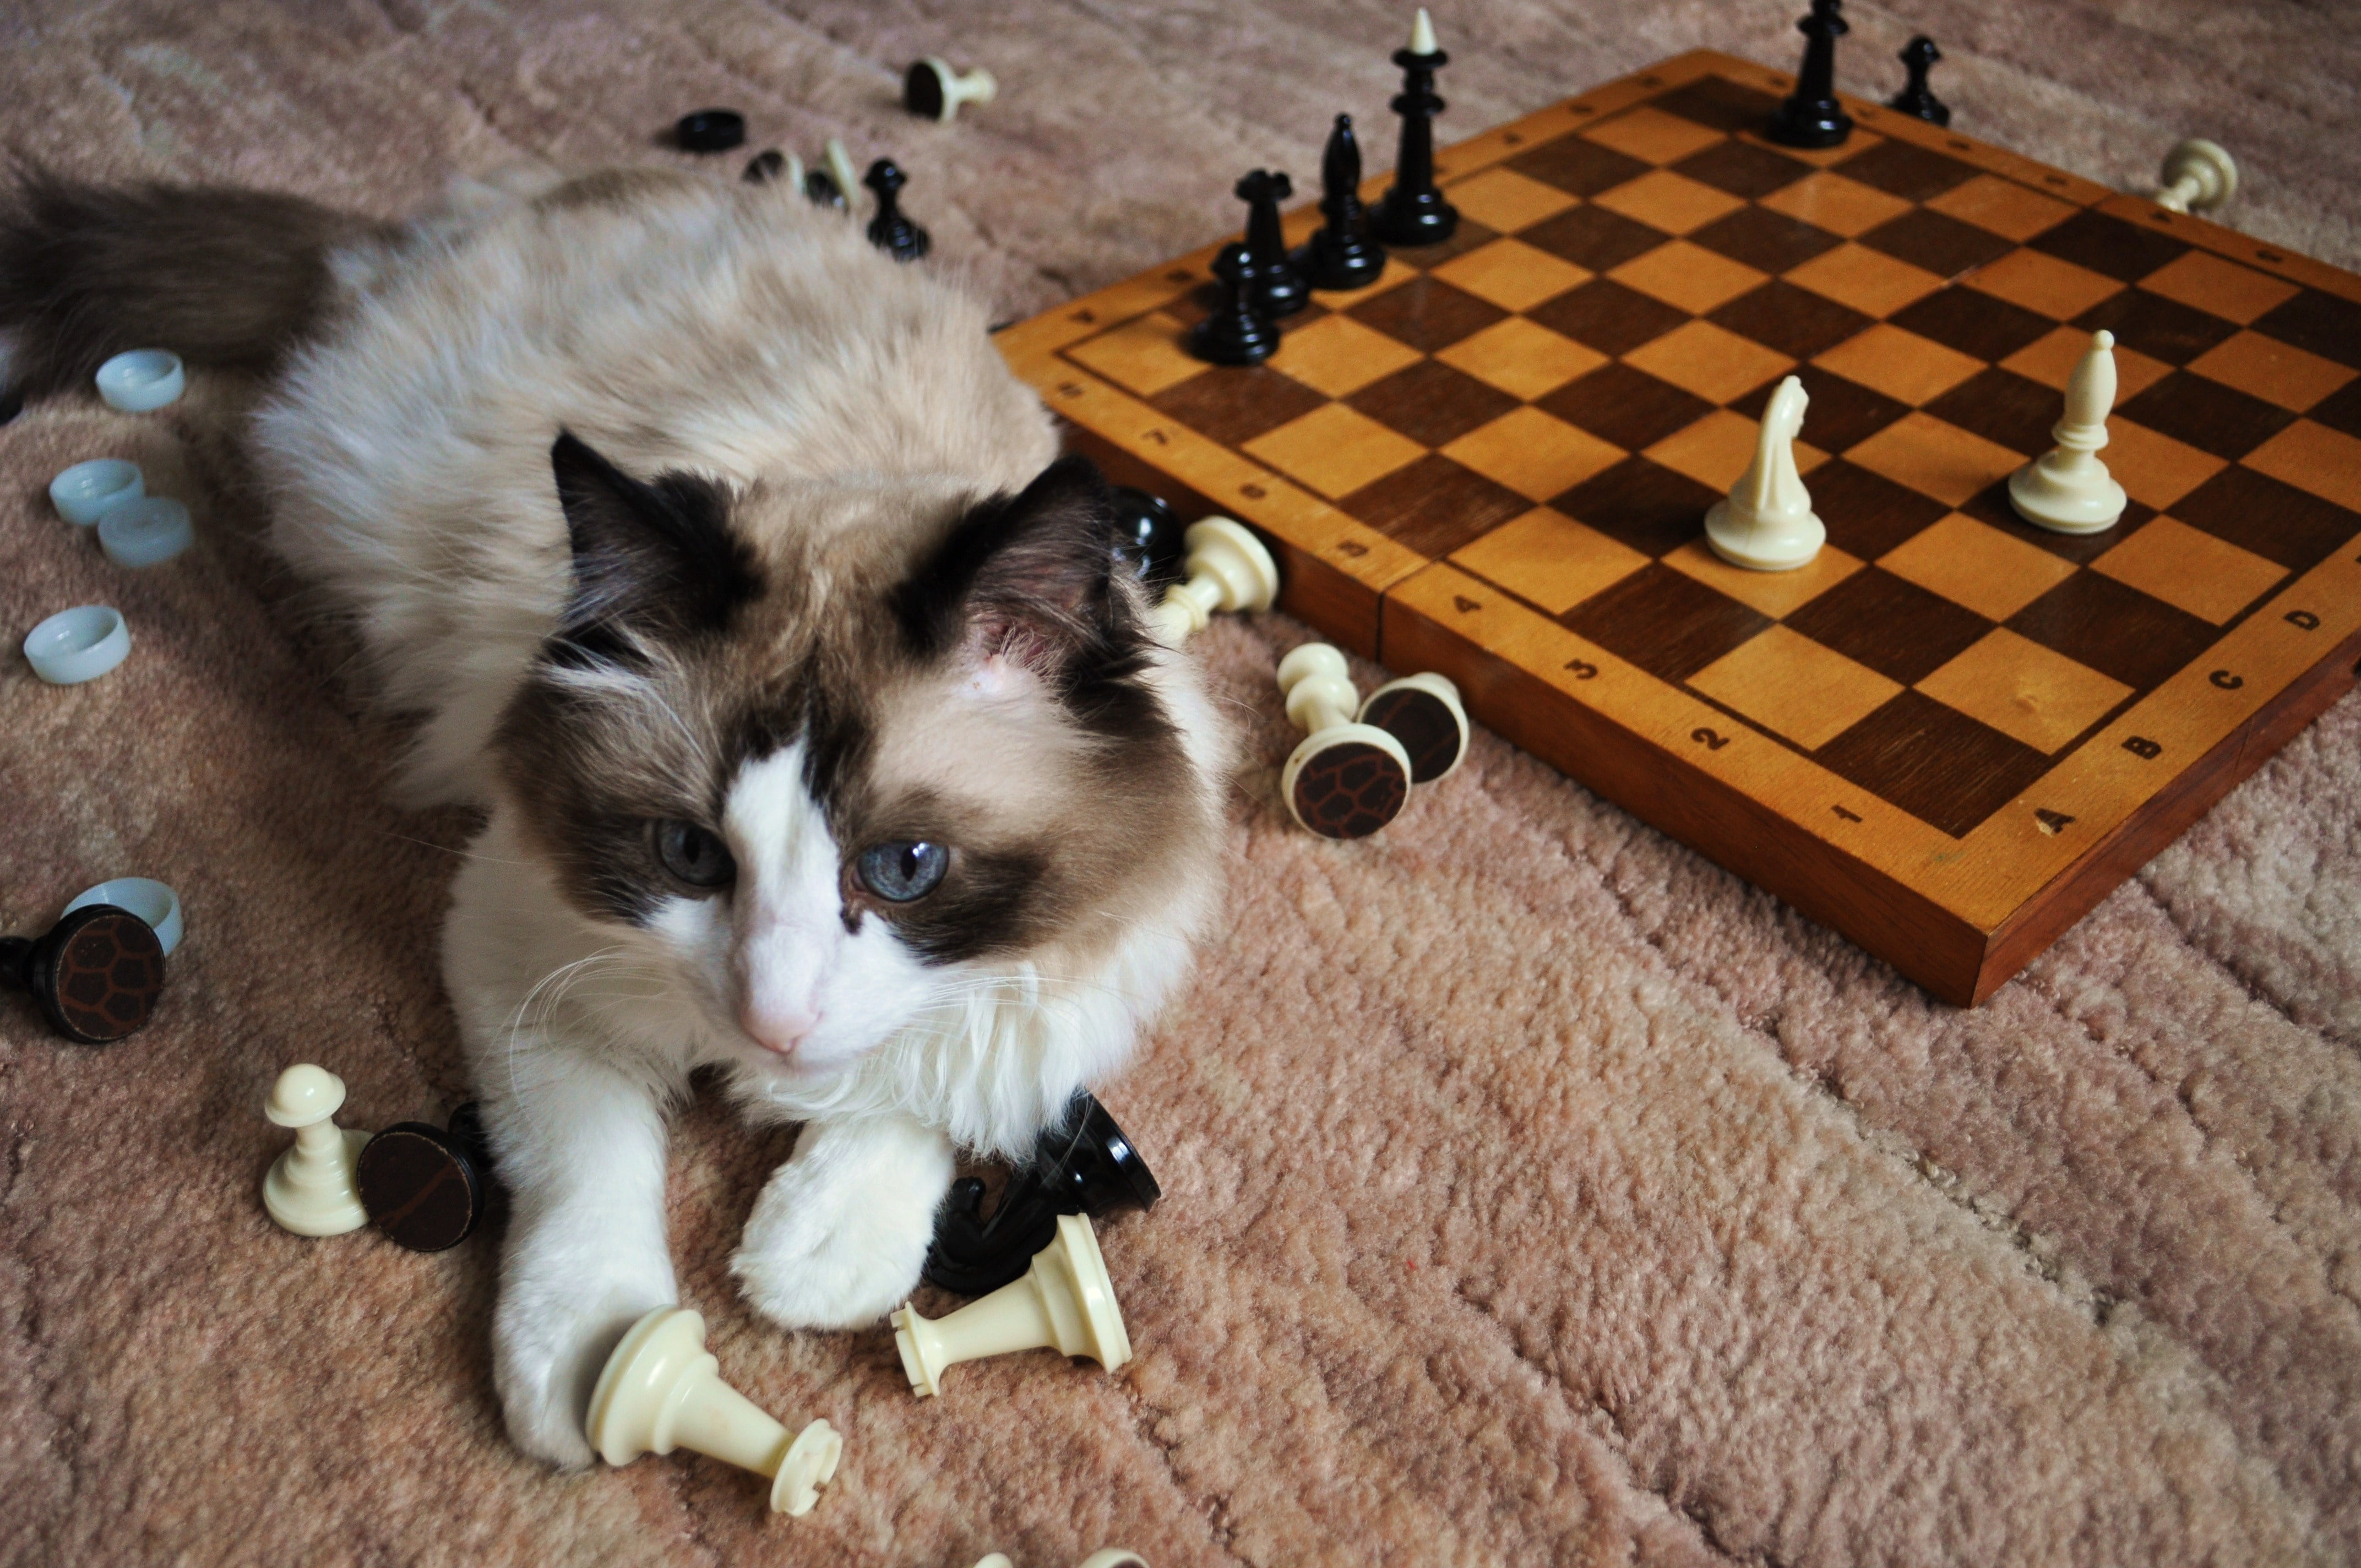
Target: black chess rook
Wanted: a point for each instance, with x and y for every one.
(1276, 288)
(1414, 211)
(1341, 254)
(1811, 116)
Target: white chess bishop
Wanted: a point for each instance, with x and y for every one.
(2068, 489)
(1767, 524)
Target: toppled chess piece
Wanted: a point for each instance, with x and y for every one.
(1918, 57)
(424, 1187)
(890, 231)
(2068, 489)
(1064, 1300)
(1423, 713)
(1341, 254)
(709, 130)
(1347, 779)
(661, 1389)
(2199, 177)
(95, 975)
(311, 1188)
(1148, 535)
(932, 90)
(1767, 524)
(1811, 116)
(1105, 1557)
(772, 165)
(1084, 1165)
(1228, 569)
(1414, 211)
(1236, 332)
(832, 183)
(1273, 282)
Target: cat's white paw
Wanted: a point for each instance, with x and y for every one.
(548, 1347)
(839, 1234)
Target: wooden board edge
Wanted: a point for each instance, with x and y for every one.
(2264, 256)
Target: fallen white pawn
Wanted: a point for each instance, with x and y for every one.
(1065, 1299)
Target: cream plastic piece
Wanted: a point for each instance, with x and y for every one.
(976, 86)
(2199, 176)
(1768, 524)
(78, 644)
(2068, 489)
(144, 896)
(1421, 33)
(1440, 688)
(1109, 1557)
(83, 493)
(143, 379)
(1064, 1300)
(661, 1389)
(847, 178)
(1228, 569)
(310, 1190)
(1321, 702)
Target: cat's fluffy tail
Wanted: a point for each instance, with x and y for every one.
(218, 276)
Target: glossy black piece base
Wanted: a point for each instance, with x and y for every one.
(1148, 537)
(1084, 1165)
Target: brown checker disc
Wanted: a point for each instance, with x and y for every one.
(103, 975)
(419, 1188)
(1427, 729)
(1349, 791)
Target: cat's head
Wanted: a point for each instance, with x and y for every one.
(837, 753)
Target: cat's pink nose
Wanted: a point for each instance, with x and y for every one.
(780, 1031)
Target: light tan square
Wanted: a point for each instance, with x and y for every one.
(1785, 682)
(1144, 355)
(1550, 560)
(1335, 450)
(2024, 690)
(2058, 289)
(1975, 565)
(1835, 203)
(1512, 274)
(1935, 458)
(1775, 594)
(1521, 357)
(1505, 200)
(1673, 203)
(1899, 363)
(1396, 274)
(1338, 356)
(1688, 275)
(2153, 469)
(1717, 449)
(2050, 360)
(1534, 454)
(2267, 368)
(1653, 135)
(1868, 281)
(1716, 364)
(2004, 206)
(2220, 287)
(2211, 578)
(1862, 141)
(2312, 458)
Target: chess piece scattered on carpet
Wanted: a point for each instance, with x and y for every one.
(95, 975)
(427, 1186)
(1767, 524)
(1414, 211)
(1918, 57)
(311, 1188)
(890, 231)
(1423, 713)
(709, 130)
(2068, 489)
(1228, 569)
(1347, 779)
(2199, 177)
(932, 90)
(1341, 254)
(1084, 1165)
(1064, 1300)
(771, 164)
(1811, 116)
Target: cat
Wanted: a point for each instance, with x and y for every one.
(727, 570)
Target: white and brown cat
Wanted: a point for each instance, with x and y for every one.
(727, 569)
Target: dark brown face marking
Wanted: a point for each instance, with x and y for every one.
(419, 1188)
(1349, 790)
(1426, 728)
(101, 974)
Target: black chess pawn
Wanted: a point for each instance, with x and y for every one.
(1085, 1165)
(1918, 57)
(1414, 211)
(1341, 254)
(1148, 538)
(890, 231)
(424, 1186)
(1811, 116)
(96, 974)
(1236, 332)
(1277, 289)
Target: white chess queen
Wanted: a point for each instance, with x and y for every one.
(1767, 524)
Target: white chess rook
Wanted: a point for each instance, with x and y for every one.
(1768, 524)
(2199, 176)
(661, 1389)
(2068, 489)
(310, 1189)
(1064, 1300)
(1226, 569)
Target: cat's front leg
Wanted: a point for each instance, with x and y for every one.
(838, 1237)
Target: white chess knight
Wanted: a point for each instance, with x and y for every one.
(1767, 524)
(2068, 489)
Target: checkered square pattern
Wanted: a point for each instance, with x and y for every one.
(1554, 399)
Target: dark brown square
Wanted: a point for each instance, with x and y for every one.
(2005, 407)
(1989, 505)
(1669, 624)
(1430, 403)
(1607, 316)
(1767, 241)
(1841, 414)
(1895, 628)
(1625, 406)
(2114, 628)
(1796, 322)
(1975, 323)
(1234, 405)
(2340, 410)
(1717, 102)
(1206, 298)
(1464, 237)
(1434, 505)
(2206, 414)
(1579, 165)
(2109, 246)
(2160, 328)
(1593, 238)
(1934, 761)
(1427, 313)
(1742, 169)
(2276, 521)
(2318, 323)
(1867, 514)
(1911, 172)
(1645, 505)
(1942, 245)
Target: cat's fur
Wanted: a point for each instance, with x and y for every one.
(654, 499)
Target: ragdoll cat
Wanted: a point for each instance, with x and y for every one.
(727, 568)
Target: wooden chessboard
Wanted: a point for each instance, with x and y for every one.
(1952, 734)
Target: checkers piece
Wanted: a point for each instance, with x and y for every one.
(95, 975)
(424, 1187)
(709, 130)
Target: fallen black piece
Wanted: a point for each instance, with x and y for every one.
(1918, 57)
(96, 974)
(764, 166)
(709, 130)
(1811, 116)
(427, 1186)
(1148, 537)
(890, 231)
(820, 190)
(1085, 1165)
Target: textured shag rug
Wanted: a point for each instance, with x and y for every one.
(1536, 1193)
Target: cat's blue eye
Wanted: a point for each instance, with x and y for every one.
(900, 870)
(693, 854)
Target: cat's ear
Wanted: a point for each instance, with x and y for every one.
(1028, 577)
(656, 556)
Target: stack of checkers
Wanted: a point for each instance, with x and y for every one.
(1509, 441)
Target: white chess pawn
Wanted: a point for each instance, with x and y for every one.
(2197, 177)
(2068, 489)
(1347, 779)
(933, 89)
(661, 1389)
(1226, 569)
(1767, 524)
(1423, 713)
(310, 1189)
(1065, 1299)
